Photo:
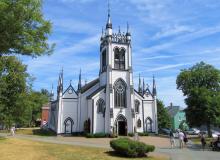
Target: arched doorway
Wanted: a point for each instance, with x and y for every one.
(148, 124)
(121, 125)
(68, 123)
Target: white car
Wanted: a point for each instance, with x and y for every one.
(215, 134)
(193, 131)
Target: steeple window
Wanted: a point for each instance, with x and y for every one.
(119, 59)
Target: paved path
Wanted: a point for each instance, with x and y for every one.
(190, 153)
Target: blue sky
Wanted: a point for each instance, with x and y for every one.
(167, 36)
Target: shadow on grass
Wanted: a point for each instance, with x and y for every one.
(116, 154)
(2, 138)
(41, 132)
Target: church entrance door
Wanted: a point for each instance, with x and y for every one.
(121, 125)
(122, 128)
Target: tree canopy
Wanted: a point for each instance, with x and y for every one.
(201, 86)
(18, 102)
(23, 29)
(164, 120)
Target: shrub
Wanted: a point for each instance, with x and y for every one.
(131, 134)
(130, 148)
(97, 135)
(143, 134)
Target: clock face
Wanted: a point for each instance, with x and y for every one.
(70, 91)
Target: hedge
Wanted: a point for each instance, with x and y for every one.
(143, 134)
(131, 148)
(97, 135)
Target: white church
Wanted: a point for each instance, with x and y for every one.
(109, 103)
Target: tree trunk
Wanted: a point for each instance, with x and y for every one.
(209, 129)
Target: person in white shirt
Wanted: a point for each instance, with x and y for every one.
(181, 138)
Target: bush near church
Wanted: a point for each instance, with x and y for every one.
(96, 135)
(131, 148)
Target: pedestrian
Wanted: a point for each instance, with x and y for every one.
(203, 141)
(185, 138)
(172, 139)
(181, 138)
(12, 130)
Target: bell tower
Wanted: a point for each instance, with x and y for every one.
(117, 75)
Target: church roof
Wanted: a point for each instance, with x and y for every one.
(89, 85)
(95, 92)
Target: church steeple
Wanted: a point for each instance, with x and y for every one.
(154, 87)
(80, 81)
(139, 85)
(109, 22)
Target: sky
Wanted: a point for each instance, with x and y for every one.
(167, 36)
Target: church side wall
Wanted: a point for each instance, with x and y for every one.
(139, 115)
(69, 111)
(148, 112)
(99, 119)
(83, 107)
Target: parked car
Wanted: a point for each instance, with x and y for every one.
(165, 131)
(215, 134)
(193, 131)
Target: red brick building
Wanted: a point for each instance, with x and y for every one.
(45, 113)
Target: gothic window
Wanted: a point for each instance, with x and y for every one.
(100, 106)
(137, 106)
(104, 60)
(120, 94)
(119, 59)
(138, 123)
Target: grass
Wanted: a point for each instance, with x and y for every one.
(32, 131)
(13, 148)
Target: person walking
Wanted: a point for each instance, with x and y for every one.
(12, 130)
(181, 138)
(203, 141)
(185, 138)
(172, 139)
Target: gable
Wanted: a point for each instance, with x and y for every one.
(70, 93)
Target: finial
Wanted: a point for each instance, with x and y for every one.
(71, 82)
(109, 24)
(119, 29)
(109, 8)
(102, 32)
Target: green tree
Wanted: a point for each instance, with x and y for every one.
(13, 77)
(164, 120)
(23, 29)
(201, 86)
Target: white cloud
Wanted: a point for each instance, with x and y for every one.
(172, 31)
(184, 38)
(167, 67)
(82, 46)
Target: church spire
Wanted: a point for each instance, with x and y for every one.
(80, 81)
(109, 23)
(139, 84)
(154, 87)
(51, 94)
(143, 87)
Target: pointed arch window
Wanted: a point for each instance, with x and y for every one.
(119, 58)
(104, 64)
(100, 106)
(138, 123)
(120, 94)
(137, 106)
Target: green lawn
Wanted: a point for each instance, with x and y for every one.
(31, 131)
(12, 148)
